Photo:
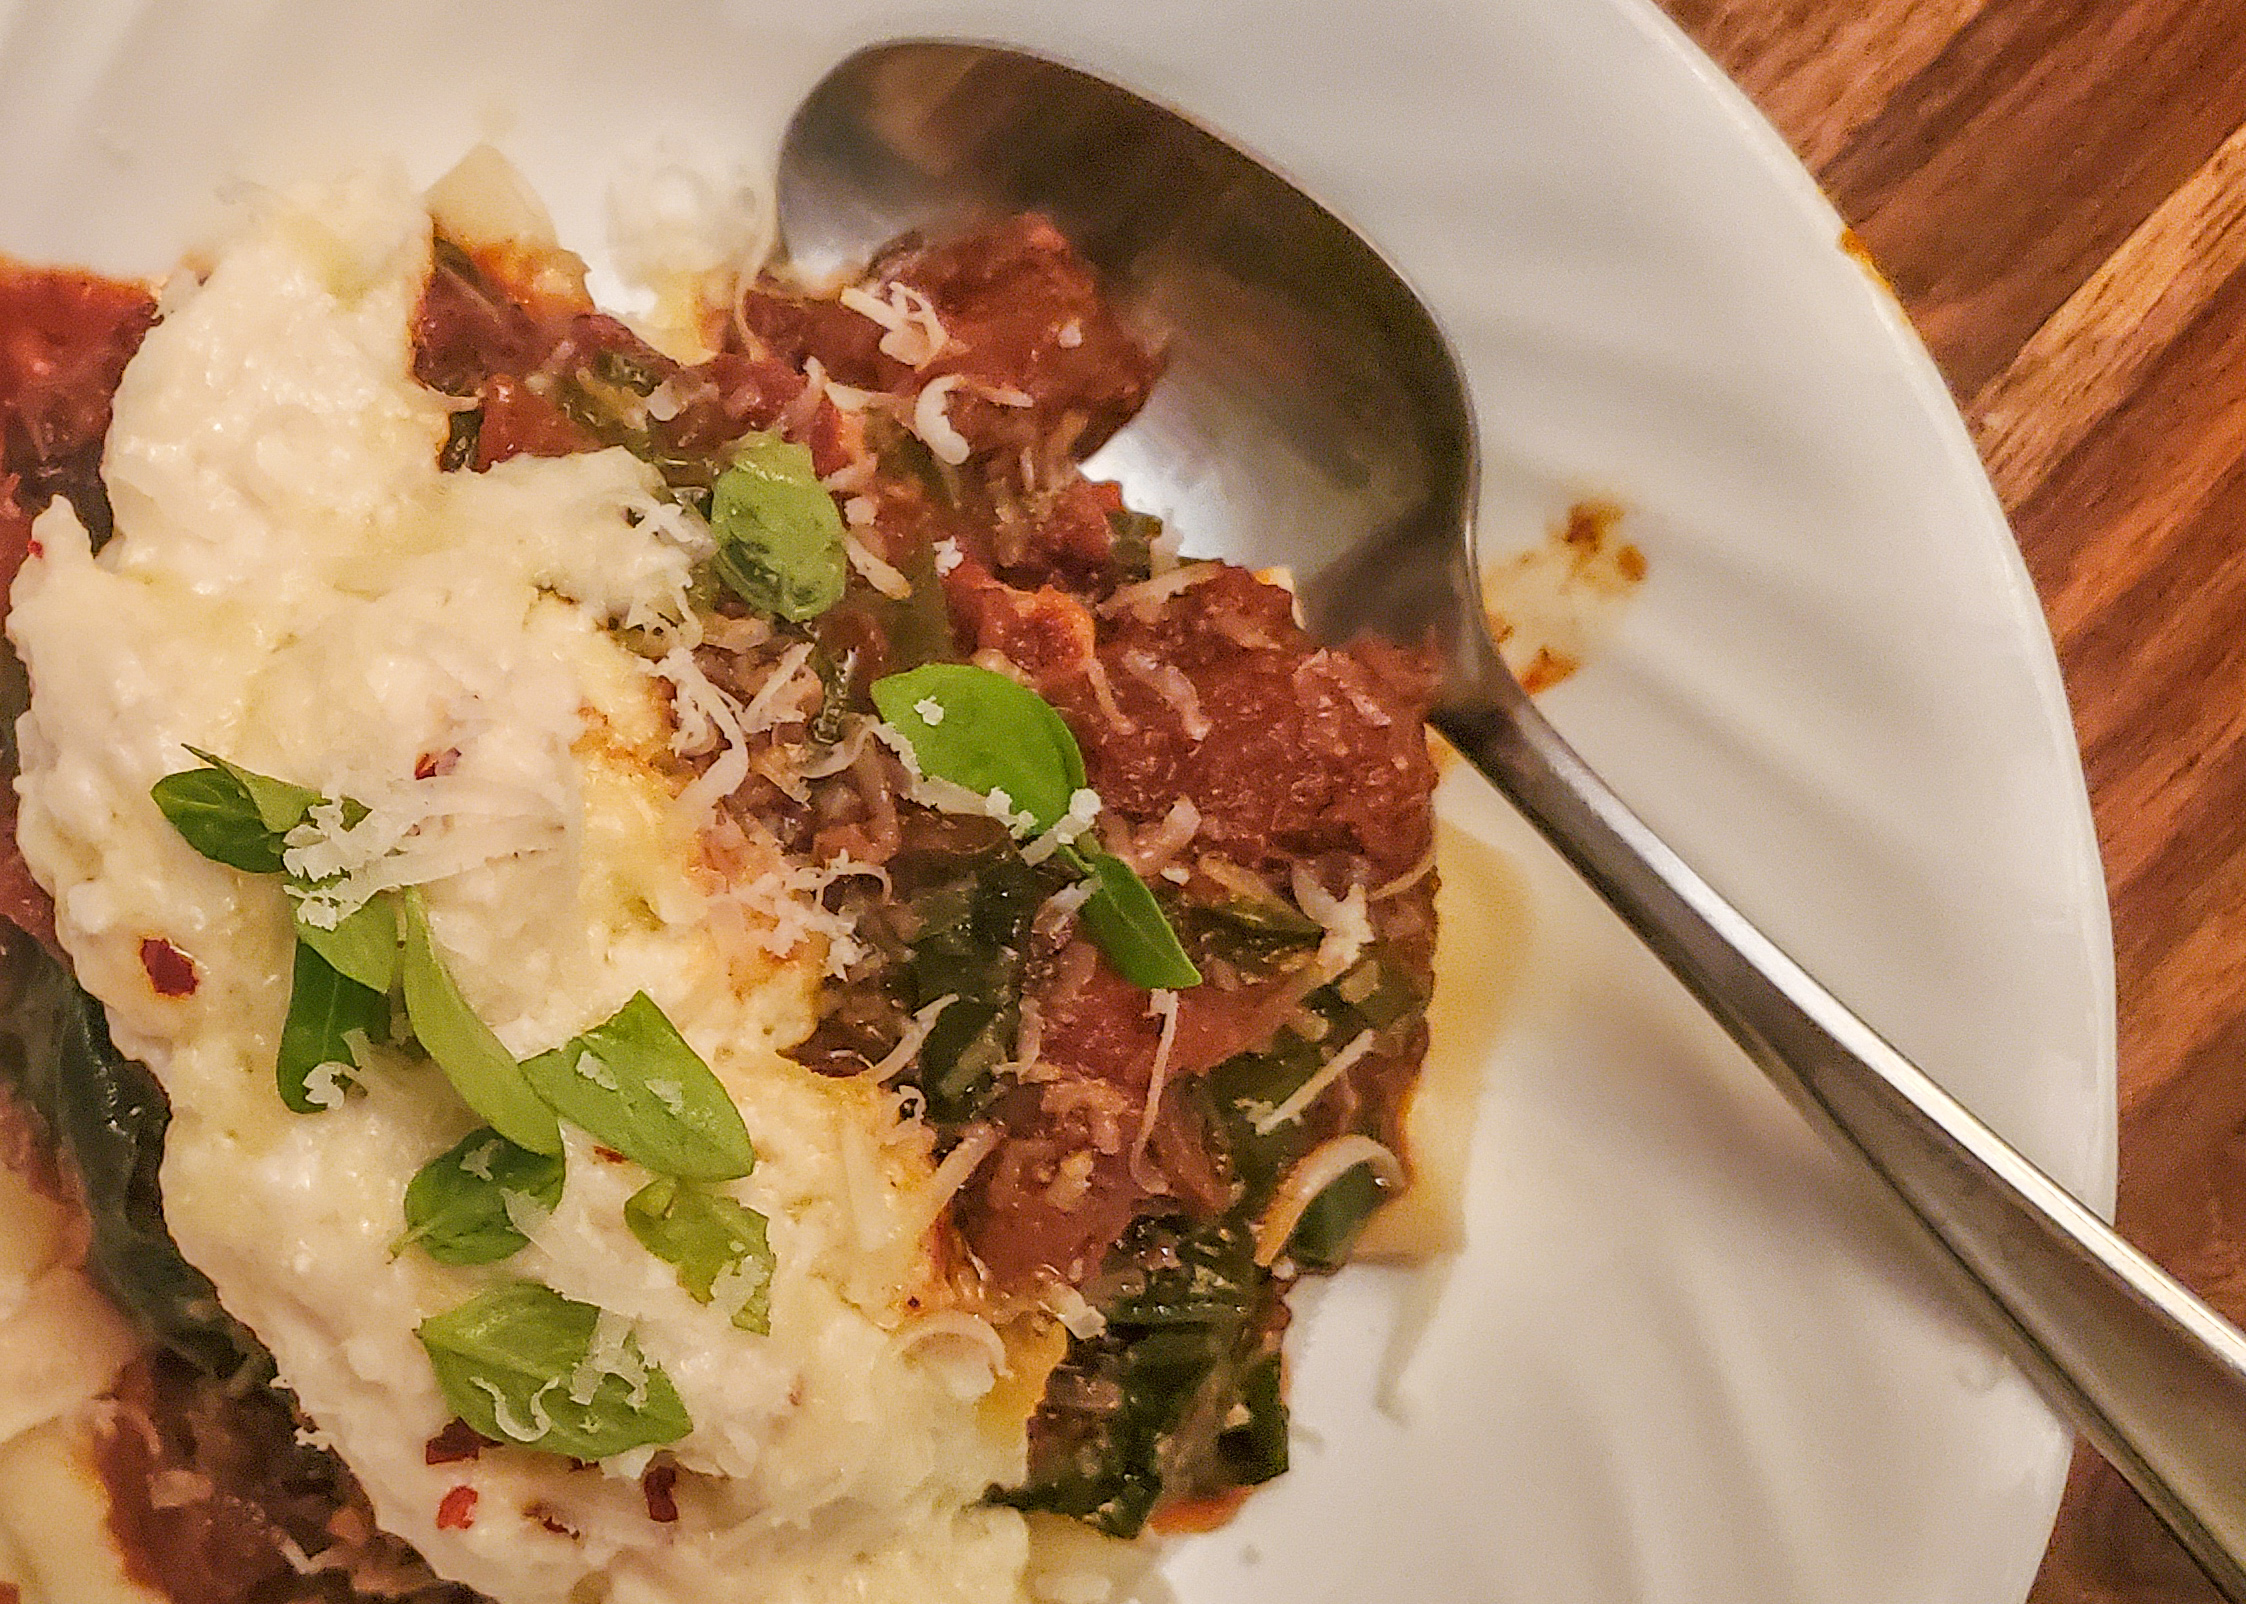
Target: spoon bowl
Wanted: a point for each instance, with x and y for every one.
(1310, 416)
(1313, 417)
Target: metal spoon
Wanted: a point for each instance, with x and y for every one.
(1312, 415)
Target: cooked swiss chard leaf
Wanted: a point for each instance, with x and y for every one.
(456, 1204)
(107, 1116)
(1178, 1397)
(1329, 1227)
(971, 932)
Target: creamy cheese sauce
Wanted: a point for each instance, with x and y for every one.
(294, 584)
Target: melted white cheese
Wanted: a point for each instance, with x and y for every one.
(294, 585)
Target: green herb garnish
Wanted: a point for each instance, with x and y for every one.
(325, 1007)
(779, 536)
(456, 1207)
(231, 815)
(480, 1069)
(513, 1363)
(987, 733)
(997, 738)
(717, 1246)
(363, 946)
(634, 1084)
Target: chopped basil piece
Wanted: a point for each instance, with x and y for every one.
(517, 1365)
(480, 1069)
(456, 1207)
(983, 731)
(231, 815)
(988, 733)
(1129, 925)
(324, 1008)
(779, 536)
(717, 1246)
(634, 1084)
(363, 946)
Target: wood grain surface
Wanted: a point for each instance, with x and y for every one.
(2057, 191)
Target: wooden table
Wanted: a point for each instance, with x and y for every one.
(2057, 190)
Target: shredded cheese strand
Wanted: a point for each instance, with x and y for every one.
(1312, 1089)
(1320, 1168)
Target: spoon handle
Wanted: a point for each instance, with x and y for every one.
(2150, 1374)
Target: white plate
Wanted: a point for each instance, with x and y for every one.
(1676, 1362)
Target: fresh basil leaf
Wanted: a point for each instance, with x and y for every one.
(634, 1084)
(717, 1246)
(509, 1364)
(324, 1008)
(216, 815)
(1128, 923)
(456, 1207)
(779, 535)
(279, 804)
(364, 946)
(988, 733)
(480, 1069)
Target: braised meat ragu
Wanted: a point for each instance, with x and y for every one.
(1166, 1035)
(65, 338)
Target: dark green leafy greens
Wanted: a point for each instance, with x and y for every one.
(107, 1116)
(779, 536)
(514, 1364)
(1000, 739)
(718, 1246)
(636, 1085)
(972, 929)
(456, 1206)
(480, 1069)
(1179, 1396)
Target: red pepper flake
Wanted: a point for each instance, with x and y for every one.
(458, 1511)
(431, 764)
(9, 1597)
(655, 1486)
(170, 971)
(553, 1525)
(456, 1442)
(608, 1153)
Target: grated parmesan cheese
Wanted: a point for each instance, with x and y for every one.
(898, 1058)
(1083, 812)
(1320, 1168)
(1162, 1005)
(1144, 596)
(934, 428)
(1348, 930)
(1270, 1119)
